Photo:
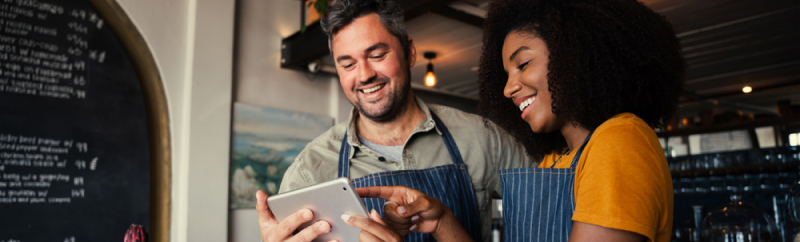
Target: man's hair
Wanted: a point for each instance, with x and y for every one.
(606, 57)
(341, 13)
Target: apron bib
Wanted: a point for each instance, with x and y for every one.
(538, 202)
(451, 184)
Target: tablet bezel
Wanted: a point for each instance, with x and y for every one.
(328, 201)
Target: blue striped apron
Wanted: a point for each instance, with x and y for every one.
(538, 202)
(451, 184)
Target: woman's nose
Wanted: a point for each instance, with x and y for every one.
(512, 86)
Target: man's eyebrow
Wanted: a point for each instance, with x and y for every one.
(379, 45)
(344, 57)
(516, 52)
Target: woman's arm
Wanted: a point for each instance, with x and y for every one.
(583, 232)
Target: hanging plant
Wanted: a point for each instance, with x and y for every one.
(320, 6)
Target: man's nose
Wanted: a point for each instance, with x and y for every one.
(366, 72)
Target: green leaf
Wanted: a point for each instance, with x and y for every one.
(303, 29)
(321, 6)
(310, 3)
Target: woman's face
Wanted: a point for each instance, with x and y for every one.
(525, 59)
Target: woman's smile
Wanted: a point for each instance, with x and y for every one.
(525, 59)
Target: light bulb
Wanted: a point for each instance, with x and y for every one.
(747, 89)
(430, 79)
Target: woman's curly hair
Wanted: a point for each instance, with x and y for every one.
(606, 57)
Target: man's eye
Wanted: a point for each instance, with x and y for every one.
(347, 66)
(378, 56)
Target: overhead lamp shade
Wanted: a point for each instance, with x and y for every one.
(430, 78)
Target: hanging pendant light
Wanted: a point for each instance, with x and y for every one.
(430, 78)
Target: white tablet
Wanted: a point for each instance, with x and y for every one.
(328, 201)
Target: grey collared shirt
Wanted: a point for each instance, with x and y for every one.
(485, 148)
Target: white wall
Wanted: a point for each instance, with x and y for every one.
(192, 42)
(260, 80)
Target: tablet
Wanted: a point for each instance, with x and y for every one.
(328, 201)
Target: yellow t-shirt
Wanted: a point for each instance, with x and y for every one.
(622, 179)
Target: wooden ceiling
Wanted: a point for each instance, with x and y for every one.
(727, 44)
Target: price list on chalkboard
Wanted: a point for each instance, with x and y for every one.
(74, 151)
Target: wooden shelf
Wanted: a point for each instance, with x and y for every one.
(732, 126)
(736, 170)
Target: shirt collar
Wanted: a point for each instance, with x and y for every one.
(426, 125)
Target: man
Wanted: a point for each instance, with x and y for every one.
(445, 153)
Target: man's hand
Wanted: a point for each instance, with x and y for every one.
(410, 210)
(273, 231)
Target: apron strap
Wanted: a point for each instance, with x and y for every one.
(559, 158)
(452, 148)
(344, 158)
(579, 151)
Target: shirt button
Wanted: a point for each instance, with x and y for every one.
(381, 158)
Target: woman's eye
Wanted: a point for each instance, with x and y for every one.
(523, 65)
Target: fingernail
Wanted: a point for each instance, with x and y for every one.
(374, 212)
(345, 217)
(412, 227)
(323, 227)
(401, 210)
(414, 218)
(307, 215)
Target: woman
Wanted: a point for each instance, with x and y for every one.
(580, 83)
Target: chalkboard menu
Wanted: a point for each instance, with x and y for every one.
(74, 138)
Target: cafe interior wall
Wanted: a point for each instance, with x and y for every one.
(211, 54)
(261, 25)
(206, 67)
(192, 44)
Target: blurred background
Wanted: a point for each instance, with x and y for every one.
(247, 83)
(736, 127)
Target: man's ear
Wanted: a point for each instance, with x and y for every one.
(412, 53)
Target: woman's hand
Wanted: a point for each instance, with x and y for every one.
(409, 210)
(372, 228)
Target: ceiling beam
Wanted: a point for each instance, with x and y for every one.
(417, 86)
(731, 104)
(740, 72)
(460, 16)
(416, 8)
(756, 89)
(302, 48)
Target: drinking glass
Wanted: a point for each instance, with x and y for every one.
(739, 222)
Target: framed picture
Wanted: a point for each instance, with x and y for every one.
(265, 143)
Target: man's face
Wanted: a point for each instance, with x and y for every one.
(372, 68)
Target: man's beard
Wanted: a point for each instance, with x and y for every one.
(395, 103)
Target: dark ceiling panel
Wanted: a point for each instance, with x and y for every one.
(302, 48)
(728, 44)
